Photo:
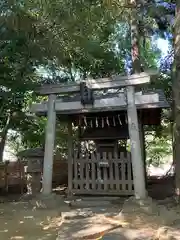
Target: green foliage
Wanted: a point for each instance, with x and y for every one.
(158, 148)
(67, 40)
(73, 51)
(33, 132)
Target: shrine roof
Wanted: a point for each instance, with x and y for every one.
(31, 153)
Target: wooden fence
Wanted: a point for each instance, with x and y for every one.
(13, 174)
(102, 174)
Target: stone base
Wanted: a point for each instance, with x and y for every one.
(51, 201)
(168, 216)
(150, 207)
(137, 205)
(27, 197)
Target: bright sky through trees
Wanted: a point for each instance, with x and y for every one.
(162, 44)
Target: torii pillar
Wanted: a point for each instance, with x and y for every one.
(136, 151)
(49, 146)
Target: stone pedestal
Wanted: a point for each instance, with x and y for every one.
(34, 176)
(34, 183)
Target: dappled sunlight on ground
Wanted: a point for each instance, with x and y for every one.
(20, 221)
(146, 226)
(142, 220)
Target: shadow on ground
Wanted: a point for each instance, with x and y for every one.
(19, 221)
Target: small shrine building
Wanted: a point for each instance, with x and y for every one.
(107, 111)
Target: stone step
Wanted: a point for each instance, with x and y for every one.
(100, 198)
(87, 204)
(95, 198)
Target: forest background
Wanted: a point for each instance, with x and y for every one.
(62, 41)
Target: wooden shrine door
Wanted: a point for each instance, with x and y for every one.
(104, 173)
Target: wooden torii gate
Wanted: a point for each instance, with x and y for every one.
(128, 99)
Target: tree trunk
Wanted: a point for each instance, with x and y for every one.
(2, 145)
(136, 64)
(176, 96)
(3, 136)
